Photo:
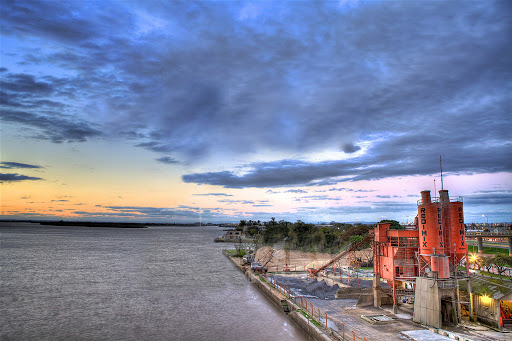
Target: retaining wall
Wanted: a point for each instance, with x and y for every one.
(310, 328)
(281, 301)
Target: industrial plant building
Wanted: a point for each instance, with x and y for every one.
(424, 262)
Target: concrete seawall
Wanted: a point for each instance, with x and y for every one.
(288, 306)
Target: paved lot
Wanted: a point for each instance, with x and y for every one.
(425, 335)
(343, 312)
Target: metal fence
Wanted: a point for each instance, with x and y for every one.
(313, 314)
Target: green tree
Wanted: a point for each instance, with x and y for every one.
(331, 239)
(354, 239)
(251, 230)
(300, 234)
(359, 230)
(487, 263)
(395, 225)
(275, 232)
(318, 241)
(501, 262)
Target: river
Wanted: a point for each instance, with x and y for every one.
(160, 283)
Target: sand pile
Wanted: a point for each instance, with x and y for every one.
(292, 258)
(315, 265)
(279, 257)
(262, 254)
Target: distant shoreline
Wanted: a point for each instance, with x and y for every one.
(108, 224)
(91, 224)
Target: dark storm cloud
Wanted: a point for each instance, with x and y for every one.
(154, 211)
(378, 207)
(380, 162)
(155, 147)
(488, 199)
(12, 177)
(350, 148)
(167, 160)
(105, 214)
(414, 79)
(55, 129)
(383, 210)
(62, 22)
(10, 165)
(494, 191)
(183, 213)
(373, 208)
(23, 83)
(350, 190)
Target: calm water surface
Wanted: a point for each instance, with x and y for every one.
(161, 283)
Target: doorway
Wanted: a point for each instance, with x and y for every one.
(448, 311)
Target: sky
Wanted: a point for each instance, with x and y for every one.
(187, 111)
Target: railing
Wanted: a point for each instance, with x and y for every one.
(446, 284)
(492, 269)
(436, 199)
(489, 233)
(315, 315)
(410, 242)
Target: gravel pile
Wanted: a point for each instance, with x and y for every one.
(309, 287)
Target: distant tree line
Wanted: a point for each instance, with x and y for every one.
(307, 237)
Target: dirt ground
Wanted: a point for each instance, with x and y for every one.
(302, 260)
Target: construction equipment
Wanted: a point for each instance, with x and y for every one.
(256, 266)
(272, 253)
(260, 266)
(349, 248)
(247, 259)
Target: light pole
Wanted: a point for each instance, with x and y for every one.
(483, 215)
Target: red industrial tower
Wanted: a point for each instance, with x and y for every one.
(433, 250)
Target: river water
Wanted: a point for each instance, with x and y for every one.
(161, 283)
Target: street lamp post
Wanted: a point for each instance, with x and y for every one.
(483, 215)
